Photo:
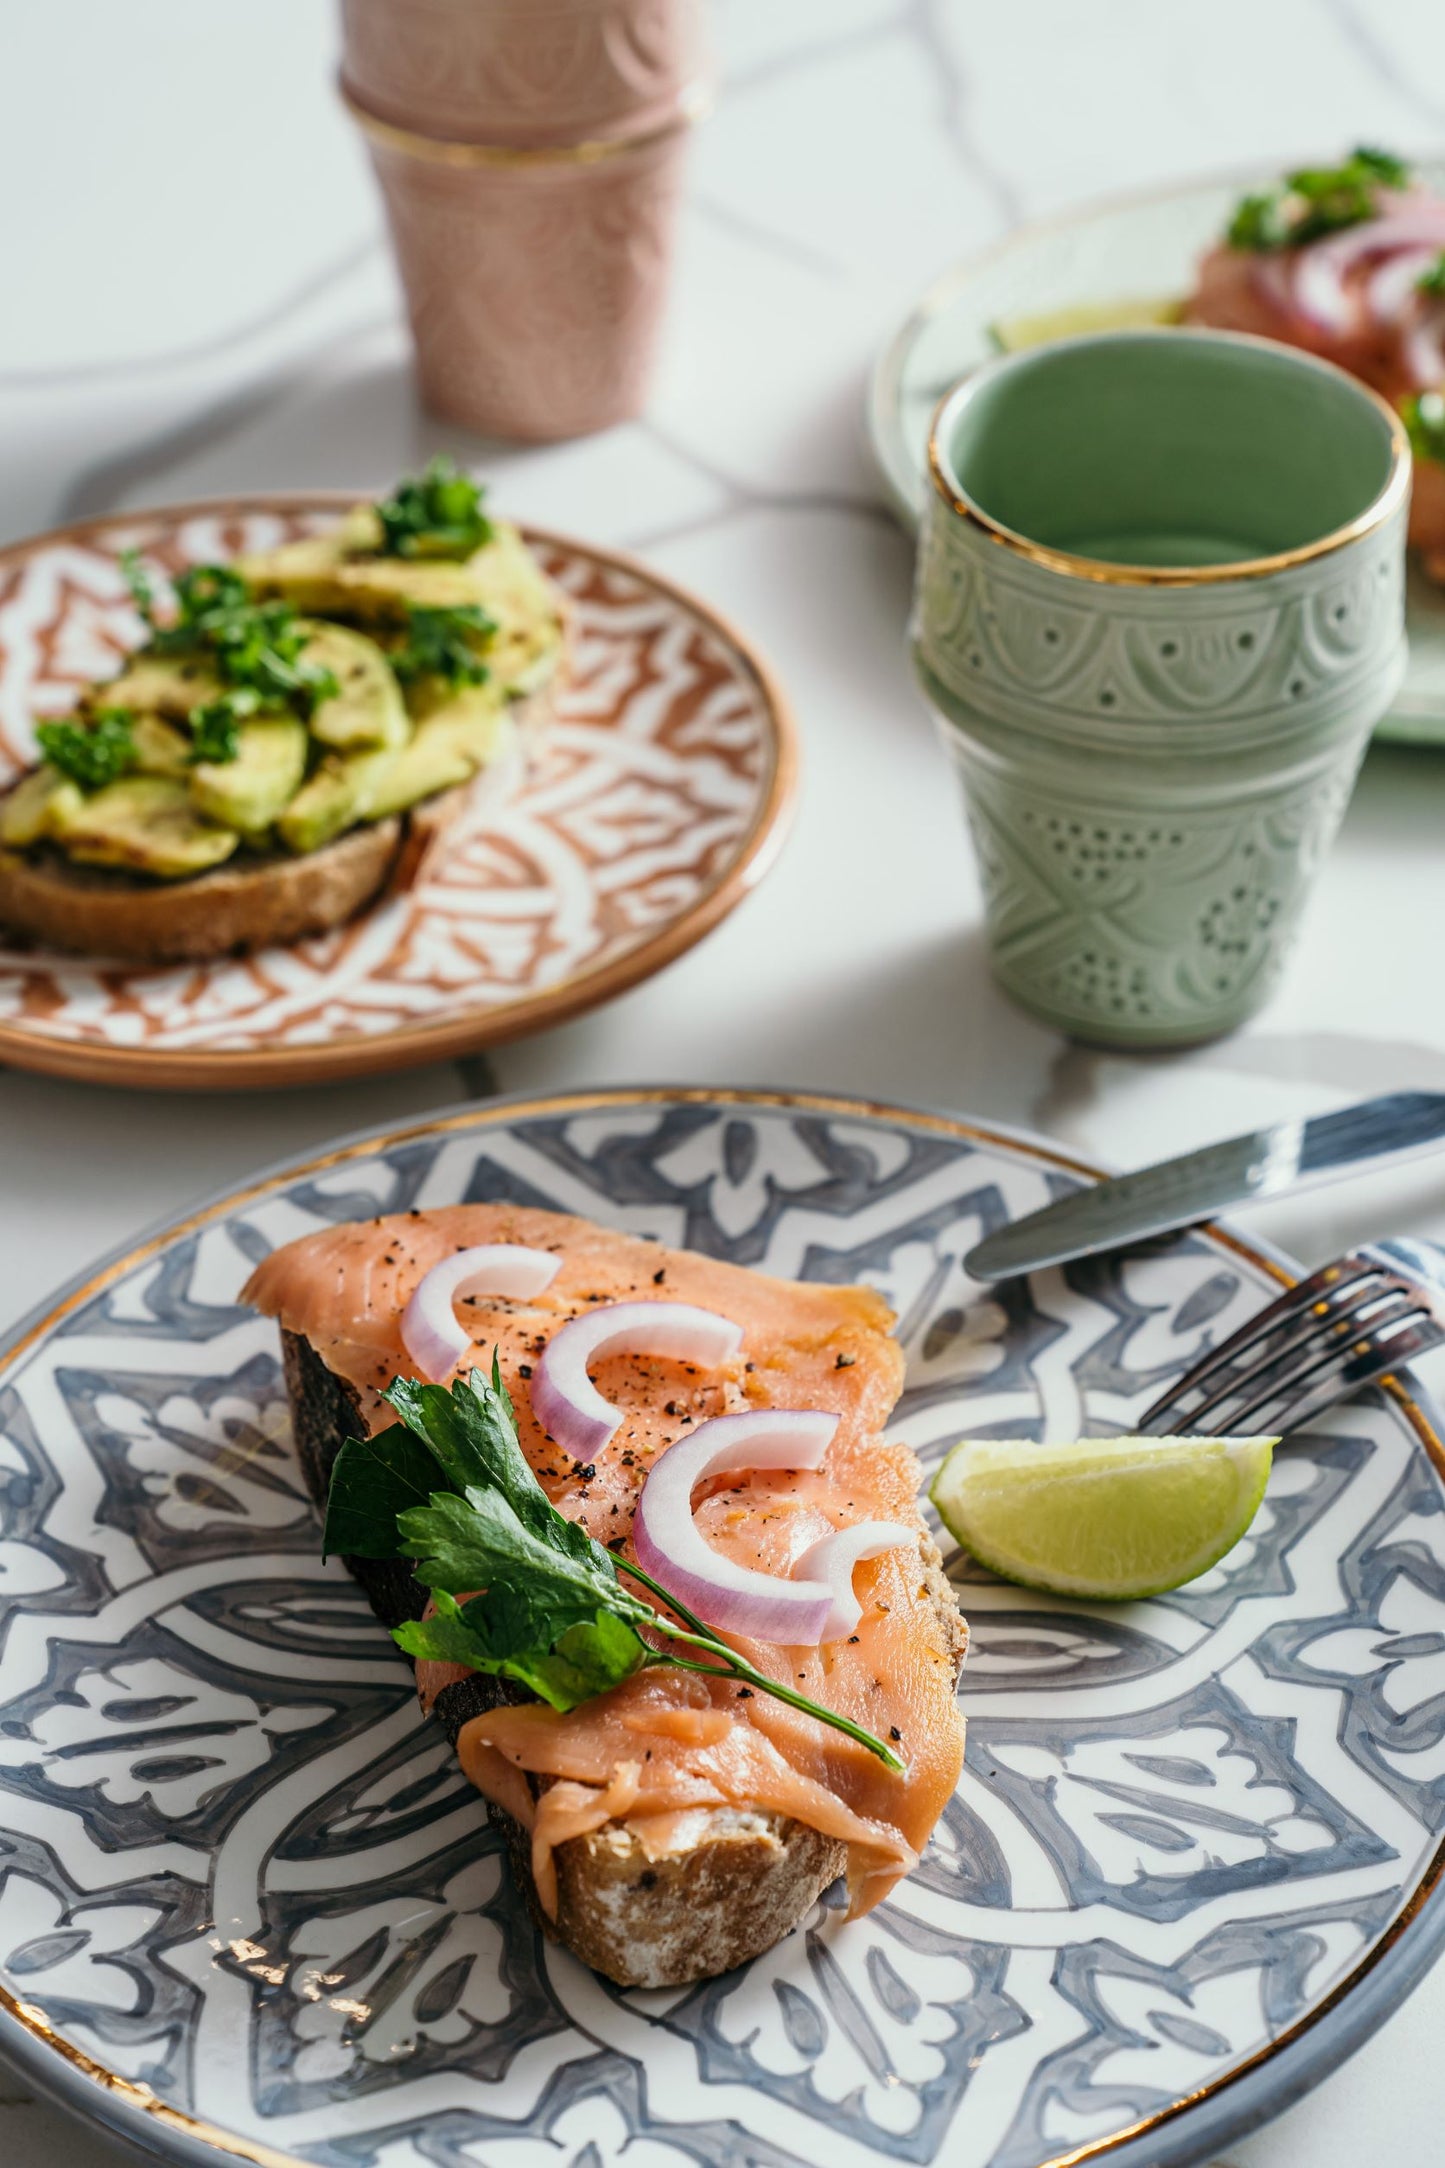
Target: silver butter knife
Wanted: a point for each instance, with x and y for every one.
(1177, 1192)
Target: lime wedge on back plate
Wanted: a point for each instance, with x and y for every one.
(1106, 1518)
(1012, 333)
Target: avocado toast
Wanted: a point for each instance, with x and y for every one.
(293, 735)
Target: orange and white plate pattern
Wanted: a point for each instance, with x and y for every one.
(652, 801)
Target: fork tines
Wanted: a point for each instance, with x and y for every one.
(1347, 1323)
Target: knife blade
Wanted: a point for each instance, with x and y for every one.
(1177, 1192)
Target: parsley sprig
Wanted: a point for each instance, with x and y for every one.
(437, 513)
(255, 648)
(91, 753)
(1316, 200)
(1433, 280)
(450, 1489)
(1424, 417)
(444, 644)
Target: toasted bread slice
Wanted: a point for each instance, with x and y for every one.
(250, 902)
(737, 1883)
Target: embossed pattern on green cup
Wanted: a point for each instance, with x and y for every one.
(1159, 608)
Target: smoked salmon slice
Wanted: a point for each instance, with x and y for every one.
(667, 1744)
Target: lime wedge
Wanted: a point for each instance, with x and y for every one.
(1105, 1518)
(1015, 332)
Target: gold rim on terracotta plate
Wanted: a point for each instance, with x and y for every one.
(1388, 500)
(409, 1046)
(139, 2099)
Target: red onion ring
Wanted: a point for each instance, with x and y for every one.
(671, 1546)
(1390, 289)
(1318, 271)
(1422, 349)
(565, 1401)
(430, 1332)
(832, 1559)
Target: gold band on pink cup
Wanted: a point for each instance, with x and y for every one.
(437, 151)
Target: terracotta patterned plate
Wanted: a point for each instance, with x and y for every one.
(657, 797)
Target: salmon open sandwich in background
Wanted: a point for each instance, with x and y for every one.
(632, 1513)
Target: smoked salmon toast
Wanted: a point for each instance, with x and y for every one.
(706, 1443)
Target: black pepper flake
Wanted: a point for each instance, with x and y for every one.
(844, 1362)
(659, 1276)
(615, 1543)
(745, 1693)
(524, 1370)
(414, 1213)
(852, 1637)
(671, 1408)
(750, 1366)
(585, 1474)
(894, 1732)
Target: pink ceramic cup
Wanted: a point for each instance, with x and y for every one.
(530, 156)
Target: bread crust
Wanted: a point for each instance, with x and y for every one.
(245, 904)
(743, 1881)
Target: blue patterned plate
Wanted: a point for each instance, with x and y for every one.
(249, 1907)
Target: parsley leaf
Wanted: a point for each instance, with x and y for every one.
(435, 514)
(1316, 200)
(1424, 417)
(256, 648)
(518, 1590)
(443, 644)
(1433, 280)
(91, 753)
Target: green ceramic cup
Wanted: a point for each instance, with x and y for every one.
(1159, 609)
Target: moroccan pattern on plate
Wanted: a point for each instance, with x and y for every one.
(236, 1868)
(638, 805)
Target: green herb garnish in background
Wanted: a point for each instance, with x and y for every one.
(92, 753)
(1423, 414)
(1316, 200)
(216, 727)
(435, 514)
(1433, 280)
(444, 644)
(450, 1489)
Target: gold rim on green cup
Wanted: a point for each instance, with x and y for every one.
(1159, 609)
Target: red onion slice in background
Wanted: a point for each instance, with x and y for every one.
(565, 1401)
(672, 1548)
(1317, 273)
(430, 1332)
(832, 1559)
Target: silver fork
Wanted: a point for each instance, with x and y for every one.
(1365, 1315)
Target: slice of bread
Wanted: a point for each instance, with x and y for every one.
(249, 902)
(737, 1885)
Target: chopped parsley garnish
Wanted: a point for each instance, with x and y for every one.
(255, 648)
(1433, 280)
(434, 514)
(1424, 417)
(216, 726)
(450, 1489)
(91, 753)
(1316, 200)
(443, 644)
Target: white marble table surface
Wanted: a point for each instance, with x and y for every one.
(197, 299)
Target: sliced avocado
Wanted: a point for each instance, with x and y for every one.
(29, 811)
(338, 573)
(339, 795)
(450, 746)
(144, 824)
(249, 792)
(432, 762)
(305, 573)
(160, 749)
(369, 709)
(160, 685)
